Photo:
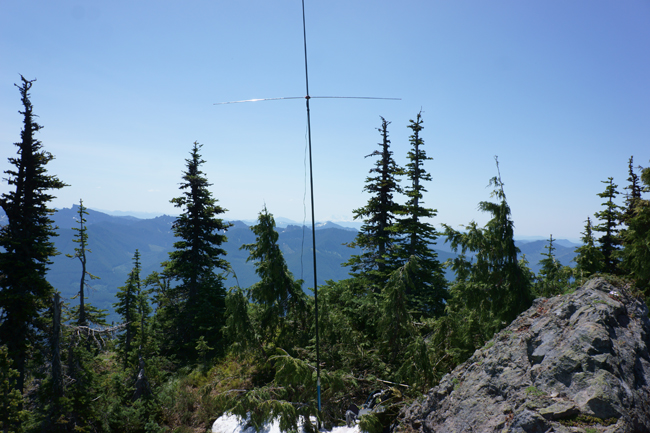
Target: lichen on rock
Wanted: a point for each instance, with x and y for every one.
(580, 356)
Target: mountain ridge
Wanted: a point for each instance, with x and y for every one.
(113, 239)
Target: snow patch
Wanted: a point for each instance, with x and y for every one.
(228, 423)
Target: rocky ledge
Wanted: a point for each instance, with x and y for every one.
(572, 363)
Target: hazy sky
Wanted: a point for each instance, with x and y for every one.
(559, 90)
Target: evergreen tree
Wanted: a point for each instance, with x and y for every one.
(129, 299)
(428, 292)
(196, 257)
(25, 242)
(493, 287)
(609, 219)
(553, 278)
(81, 238)
(282, 303)
(238, 327)
(636, 239)
(633, 195)
(378, 235)
(589, 260)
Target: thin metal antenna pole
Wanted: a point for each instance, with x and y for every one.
(311, 185)
(313, 220)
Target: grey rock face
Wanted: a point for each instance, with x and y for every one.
(579, 355)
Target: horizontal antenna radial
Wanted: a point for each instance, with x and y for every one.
(306, 97)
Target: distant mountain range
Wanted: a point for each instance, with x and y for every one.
(113, 240)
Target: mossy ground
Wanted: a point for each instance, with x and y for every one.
(587, 421)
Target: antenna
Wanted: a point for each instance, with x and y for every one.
(306, 97)
(311, 180)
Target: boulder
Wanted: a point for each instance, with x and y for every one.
(569, 363)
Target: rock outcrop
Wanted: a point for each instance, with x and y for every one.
(572, 363)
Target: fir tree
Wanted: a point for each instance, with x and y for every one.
(280, 298)
(493, 287)
(428, 292)
(25, 242)
(553, 278)
(589, 260)
(238, 327)
(609, 219)
(129, 297)
(636, 239)
(81, 238)
(633, 195)
(378, 235)
(196, 257)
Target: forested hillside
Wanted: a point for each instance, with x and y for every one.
(190, 342)
(113, 240)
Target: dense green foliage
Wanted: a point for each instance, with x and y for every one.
(133, 307)
(11, 400)
(279, 305)
(610, 219)
(635, 237)
(553, 278)
(590, 258)
(188, 350)
(493, 286)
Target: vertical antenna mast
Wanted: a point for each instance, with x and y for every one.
(311, 182)
(313, 220)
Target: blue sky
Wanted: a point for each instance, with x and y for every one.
(559, 90)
